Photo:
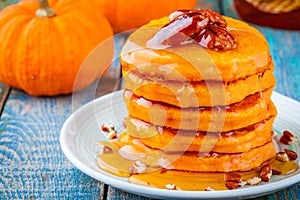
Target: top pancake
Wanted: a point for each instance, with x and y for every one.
(192, 62)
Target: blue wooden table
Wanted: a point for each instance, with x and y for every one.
(32, 164)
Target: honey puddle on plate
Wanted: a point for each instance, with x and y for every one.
(150, 174)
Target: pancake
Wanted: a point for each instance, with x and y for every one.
(170, 140)
(214, 162)
(202, 161)
(197, 94)
(182, 63)
(251, 110)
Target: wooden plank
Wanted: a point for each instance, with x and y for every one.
(285, 52)
(32, 163)
(114, 193)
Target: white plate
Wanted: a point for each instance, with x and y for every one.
(82, 130)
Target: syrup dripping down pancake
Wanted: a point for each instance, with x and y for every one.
(196, 94)
(251, 110)
(236, 141)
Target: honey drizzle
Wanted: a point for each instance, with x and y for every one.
(158, 177)
(193, 181)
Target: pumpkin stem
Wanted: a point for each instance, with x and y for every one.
(45, 10)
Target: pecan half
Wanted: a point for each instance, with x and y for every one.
(215, 37)
(211, 16)
(205, 27)
(230, 176)
(276, 172)
(288, 137)
(231, 185)
(232, 180)
(292, 155)
(266, 172)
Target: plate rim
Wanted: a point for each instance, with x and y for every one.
(152, 192)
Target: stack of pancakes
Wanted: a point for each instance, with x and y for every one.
(206, 110)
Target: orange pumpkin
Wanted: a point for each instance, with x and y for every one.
(129, 14)
(42, 47)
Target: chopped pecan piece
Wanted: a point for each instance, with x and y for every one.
(138, 167)
(209, 189)
(172, 187)
(282, 156)
(107, 127)
(254, 181)
(106, 149)
(110, 129)
(111, 135)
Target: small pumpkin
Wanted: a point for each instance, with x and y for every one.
(42, 47)
(129, 14)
